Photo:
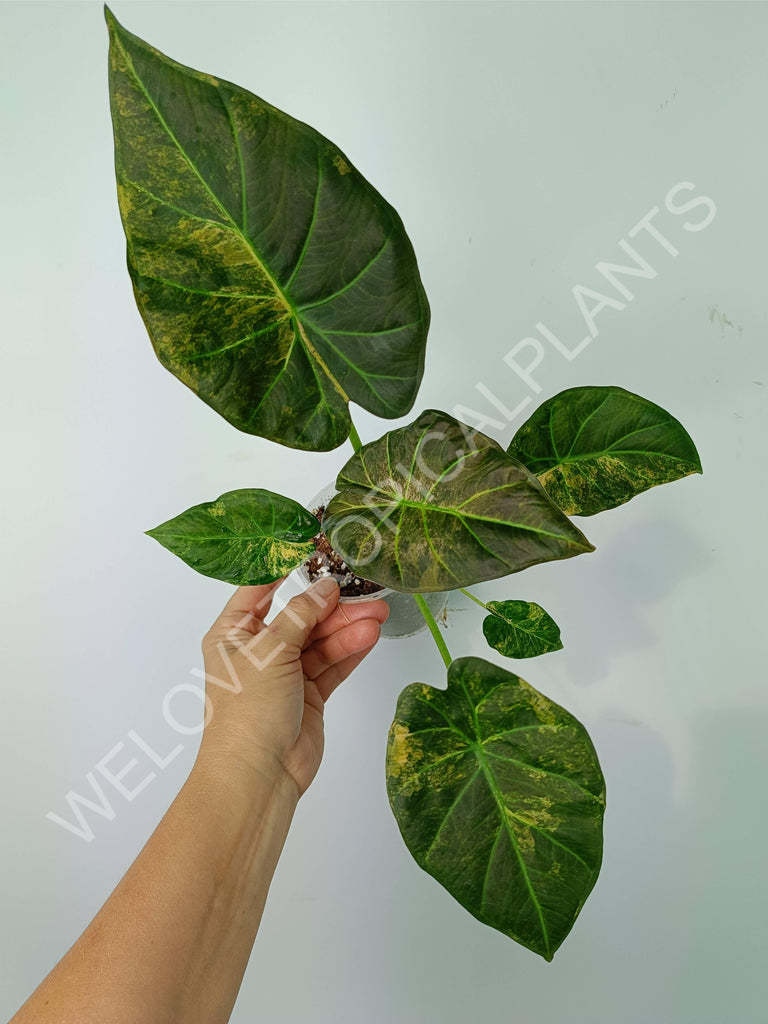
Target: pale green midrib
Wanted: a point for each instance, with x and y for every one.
(511, 486)
(359, 370)
(402, 504)
(645, 405)
(279, 294)
(240, 295)
(243, 192)
(449, 469)
(243, 341)
(395, 544)
(433, 550)
(418, 772)
(473, 709)
(544, 771)
(582, 426)
(449, 812)
(378, 528)
(350, 284)
(530, 632)
(388, 451)
(516, 625)
(607, 452)
(311, 227)
(482, 519)
(592, 453)
(416, 449)
(373, 334)
(291, 312)
(502, 808)
(520, 728)
(314, 363)
(550, 838)
(290, 308)
(482, 760)
(217, 203)
(537, 640)
(395, 503)
(552, 435)
(199, 291)
(274, 382)
(487, 878)
(481, 743)
(229, 538)
(449, 724)
(495, 555)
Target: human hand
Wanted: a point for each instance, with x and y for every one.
(266, 685)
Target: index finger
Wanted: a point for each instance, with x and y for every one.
(346, 614)
(246, 609)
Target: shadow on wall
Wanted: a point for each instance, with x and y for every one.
(641, 566)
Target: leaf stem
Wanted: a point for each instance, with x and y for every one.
(354, 437)
(434, 629)
(472, 597)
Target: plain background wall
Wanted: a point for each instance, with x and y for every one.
(520, 143)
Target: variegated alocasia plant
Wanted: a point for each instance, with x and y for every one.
(279, 286)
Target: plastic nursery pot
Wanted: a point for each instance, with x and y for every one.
(405, 618)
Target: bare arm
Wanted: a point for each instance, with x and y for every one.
(172, 942)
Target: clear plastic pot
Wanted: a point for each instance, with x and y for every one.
(405, 618)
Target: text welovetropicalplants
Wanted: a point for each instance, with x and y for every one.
(278, 285)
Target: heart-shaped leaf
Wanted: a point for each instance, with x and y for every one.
(498, 794)
(247, 537)
(521, 629)
(436, 505)
(594, 448)
(273, 279)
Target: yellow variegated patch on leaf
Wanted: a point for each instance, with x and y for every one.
(594, 448)
(436, 505)
(499, 796)
(273, 279)
(247, 537)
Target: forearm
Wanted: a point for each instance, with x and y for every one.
(173, 940)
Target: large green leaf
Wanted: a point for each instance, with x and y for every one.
(594, 448)
(499, 796)
(520, 629)
(247, 537)
(436, 506)
(273, 279)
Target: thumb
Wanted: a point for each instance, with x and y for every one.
(293, 625)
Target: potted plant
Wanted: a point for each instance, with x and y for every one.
(280, 287)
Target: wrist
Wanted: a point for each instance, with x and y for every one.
(245, 770)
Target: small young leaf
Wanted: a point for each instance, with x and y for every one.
(498, 794)
(594, 448)
(246, 537)
(436, 505)
(520, 629)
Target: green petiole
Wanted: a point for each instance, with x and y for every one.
(434, 629)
